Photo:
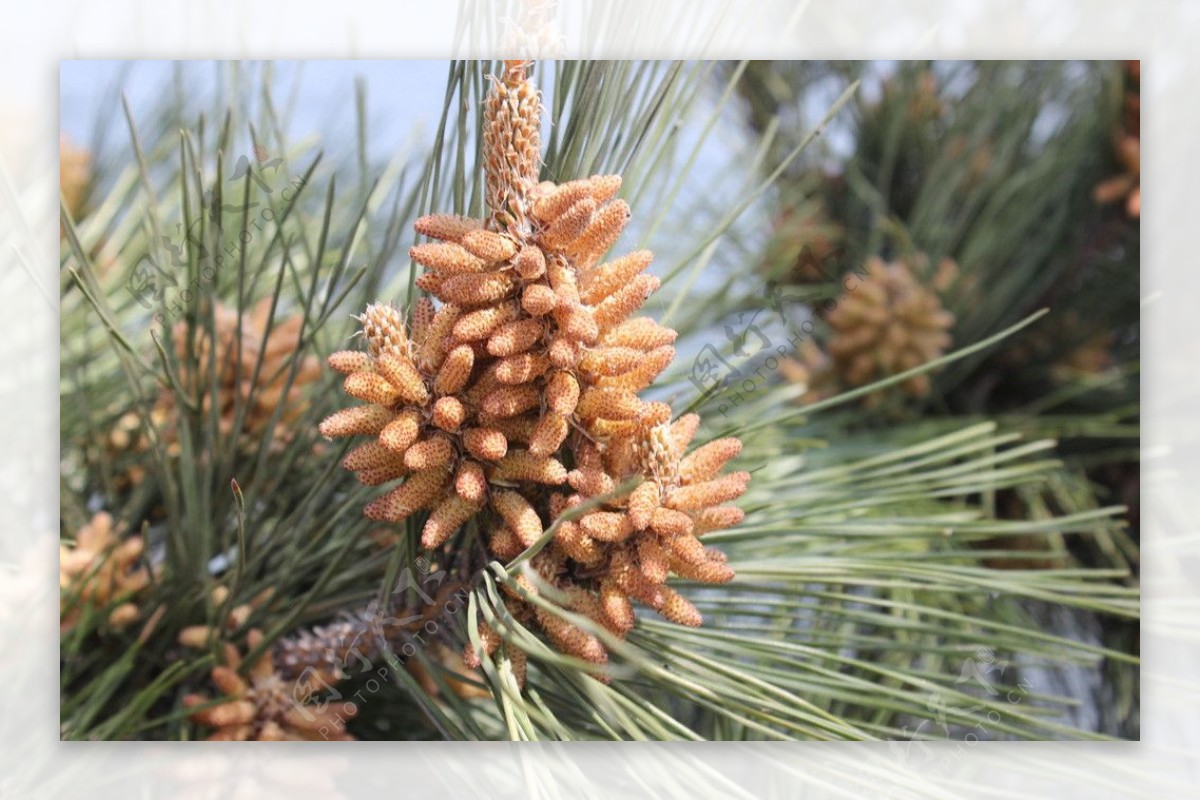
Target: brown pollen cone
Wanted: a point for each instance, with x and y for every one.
(628, 546)
(886, 323)
(419, 414)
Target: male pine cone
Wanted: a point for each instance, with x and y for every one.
(516, 398)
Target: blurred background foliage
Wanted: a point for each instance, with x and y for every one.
(922, 546)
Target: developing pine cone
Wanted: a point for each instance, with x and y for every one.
(887, 323)
(101, 570)
(263, 705)
(336, 650)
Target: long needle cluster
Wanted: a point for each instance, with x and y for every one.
(514, 397)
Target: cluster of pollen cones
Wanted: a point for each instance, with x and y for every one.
(514, 398)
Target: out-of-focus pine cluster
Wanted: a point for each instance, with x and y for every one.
(74, 175)
(246, 375)
(935, 168)
(1091, 357)
(101, 571)
(806, 241)
(515, 400)
(889, 319)
(962, 162)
